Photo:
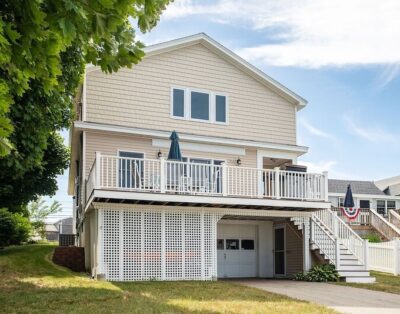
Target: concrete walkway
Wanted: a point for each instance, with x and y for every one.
(340, 298)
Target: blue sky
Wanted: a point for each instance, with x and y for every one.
(342, 56)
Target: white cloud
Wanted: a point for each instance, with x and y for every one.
(371, 134)
(331, 167)
(315, 131)
(310, 33)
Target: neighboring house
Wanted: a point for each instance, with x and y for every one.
(390, 186)
(366, 195)
(236, 206)
(51, 232)
(62, 226)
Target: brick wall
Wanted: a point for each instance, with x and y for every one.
(71, 257)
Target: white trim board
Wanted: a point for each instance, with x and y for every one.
(225, 211)
(219, 149)
(158, 197)
(299, 150)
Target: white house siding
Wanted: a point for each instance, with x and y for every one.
(140, 97)
(109, 144)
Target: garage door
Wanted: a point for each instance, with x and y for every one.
(237, 251)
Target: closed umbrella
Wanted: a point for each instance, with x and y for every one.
(348, 206)
(174, 150)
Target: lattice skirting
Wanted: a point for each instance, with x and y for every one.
(157, 245)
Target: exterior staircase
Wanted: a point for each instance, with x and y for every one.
(338, 244)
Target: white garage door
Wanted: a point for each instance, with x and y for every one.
(237, 251)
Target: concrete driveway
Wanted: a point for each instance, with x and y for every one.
(340, 298)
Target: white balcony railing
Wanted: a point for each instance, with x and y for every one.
(165, 176)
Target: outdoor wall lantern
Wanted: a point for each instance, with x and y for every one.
(238, 161)
(159, 154)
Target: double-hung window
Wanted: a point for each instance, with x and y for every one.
(196, 105)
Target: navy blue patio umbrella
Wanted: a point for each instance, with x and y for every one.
(174, 150)
(348, 200)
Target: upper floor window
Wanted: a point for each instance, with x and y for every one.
(199, 105)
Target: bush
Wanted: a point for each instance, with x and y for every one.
(14, 228)
(372, 238)
(319, 273)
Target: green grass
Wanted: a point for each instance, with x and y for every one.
(384, 282)
(31, 283)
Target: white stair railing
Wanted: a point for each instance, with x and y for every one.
(343, 232)
(322, 238)
(383, 226)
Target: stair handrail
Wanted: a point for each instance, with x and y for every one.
(325, 241)
(387, 229)
(345, 234)
(393, 215)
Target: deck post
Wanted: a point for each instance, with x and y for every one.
(325, 186)
(306, 246)
(277, 182)
(162, 174)
(337, 248)
(224, 179)
(97, 169)
(335, 224)
(366, 252)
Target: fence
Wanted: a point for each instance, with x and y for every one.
(385, 256)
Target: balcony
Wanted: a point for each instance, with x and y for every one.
(165, 177)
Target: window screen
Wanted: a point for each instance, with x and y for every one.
(364, 204)
(220, 108)
(178, 109)
(200, 106)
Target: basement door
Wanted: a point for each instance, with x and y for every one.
(236, 251)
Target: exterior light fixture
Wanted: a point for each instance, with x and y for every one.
(238, 161)
(159, 154)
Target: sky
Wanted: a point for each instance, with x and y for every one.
(342, 56)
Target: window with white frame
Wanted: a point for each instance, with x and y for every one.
(199, 105)
(341, 201)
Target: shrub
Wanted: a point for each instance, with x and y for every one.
(372, 238)
(319, 273)
(14, 228)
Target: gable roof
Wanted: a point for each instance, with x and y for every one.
(357, 187)
(384, 183)
(229, 56)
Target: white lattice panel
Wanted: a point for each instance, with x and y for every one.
(157, 244)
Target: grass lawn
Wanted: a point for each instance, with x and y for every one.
(30, 282)
(384, 282)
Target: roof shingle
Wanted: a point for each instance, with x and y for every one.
(357, 187)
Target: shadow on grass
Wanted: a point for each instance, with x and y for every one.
(32, 283)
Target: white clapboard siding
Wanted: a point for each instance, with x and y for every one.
(140, 97)
(109, 144)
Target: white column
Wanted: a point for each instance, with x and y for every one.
(325, 184)
(162, 175)
(306, 246)
(121, 245)
(224, 179)
(277, 182)
(97, 179)
(366, 253)
(337, 248)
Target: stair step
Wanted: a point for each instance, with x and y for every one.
(351, 267)
(360, 279)
(353, 273)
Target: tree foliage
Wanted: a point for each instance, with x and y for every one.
(38, 211)
(44, 46)
(14, 228)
